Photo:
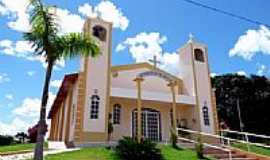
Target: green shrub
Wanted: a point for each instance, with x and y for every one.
(199, 148)
(130, 149)
(174, 139)
(6, 140)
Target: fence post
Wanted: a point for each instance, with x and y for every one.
(247, 140)
(229, 146)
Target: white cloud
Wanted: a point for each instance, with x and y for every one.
(262, 69)
(25, 115)
(145, 46)
(107, 11)
(17, 125)
(23, 49)
(56, 83)
(30, 73)
(16, 12)
(213, 74)
(9, 96)
(241, 73)
(30, 107)
(252, 43)
(68, 21)
(4, 78)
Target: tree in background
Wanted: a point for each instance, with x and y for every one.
(253, 94)
(32, 133)
(47, 42)
(21, 136)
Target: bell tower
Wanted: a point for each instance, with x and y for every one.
(194, 70)
(97, 81)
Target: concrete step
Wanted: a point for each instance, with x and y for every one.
(214, 151)
(240, 159)
(222, 156)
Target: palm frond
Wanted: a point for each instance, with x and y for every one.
(43, 27)
(76, 44)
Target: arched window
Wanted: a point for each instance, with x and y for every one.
(100, 32)
(206, 115)
(116, 114)
(94, 107)
(199, 55)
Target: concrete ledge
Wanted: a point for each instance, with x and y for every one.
(56, 145)
(95, 144)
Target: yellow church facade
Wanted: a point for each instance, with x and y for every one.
(139, 100)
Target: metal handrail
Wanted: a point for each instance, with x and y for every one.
(247, 142)
(206, 144)
(246, 133)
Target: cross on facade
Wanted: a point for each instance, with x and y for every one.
(155, 61)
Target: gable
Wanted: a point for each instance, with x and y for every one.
(123, 77)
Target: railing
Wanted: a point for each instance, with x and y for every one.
(246, 140)
(226, 149)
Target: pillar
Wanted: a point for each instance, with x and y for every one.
(172, 85)
(138, 81)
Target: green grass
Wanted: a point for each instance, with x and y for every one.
(101, 153)
(19, 147)
(16, 147)
(254, 149)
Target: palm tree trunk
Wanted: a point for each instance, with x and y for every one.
(38, 155)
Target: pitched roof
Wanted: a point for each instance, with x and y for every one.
(62, 92)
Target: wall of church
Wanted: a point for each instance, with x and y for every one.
(128, 105)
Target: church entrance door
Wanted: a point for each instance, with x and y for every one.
(151, 124)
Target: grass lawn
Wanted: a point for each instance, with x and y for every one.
(102, 153)
(255, 149)
(18, 147)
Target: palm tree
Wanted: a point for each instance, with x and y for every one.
(47, 42)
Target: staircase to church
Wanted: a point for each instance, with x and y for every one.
(223, 155)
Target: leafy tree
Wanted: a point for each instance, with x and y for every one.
(48, 43)
(32, 133)
(6, 140)
(253, 94)
(21, 136)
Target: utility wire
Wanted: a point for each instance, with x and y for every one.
(226, 13)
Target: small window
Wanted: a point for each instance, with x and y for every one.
(94, 107)
(206, 115)
(116, 113)
(100, 32)
(199, 55)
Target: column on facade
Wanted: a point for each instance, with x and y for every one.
(138, 81)
(172, 86)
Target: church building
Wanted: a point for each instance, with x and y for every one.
(137, 100)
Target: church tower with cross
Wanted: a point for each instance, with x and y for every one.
(104, 103)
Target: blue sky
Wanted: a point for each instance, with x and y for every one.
(161, 27)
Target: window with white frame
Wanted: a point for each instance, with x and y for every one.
(116, 114)
(206, 115)
(94, 107)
